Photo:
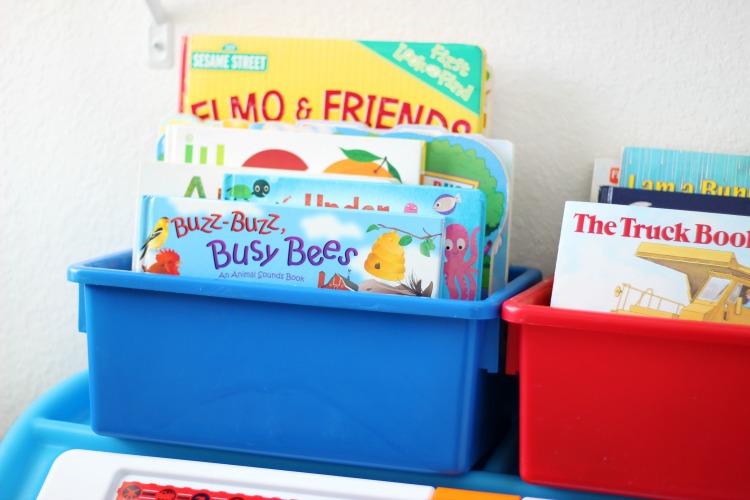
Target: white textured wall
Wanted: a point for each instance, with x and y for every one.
(79, 108)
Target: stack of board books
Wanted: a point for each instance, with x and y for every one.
(671, 239)
(378, 201)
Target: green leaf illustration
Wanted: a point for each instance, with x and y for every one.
(430, 244)
(359, 155)
(405, 240)
(394, 173)
(373, 227)
(424, 247)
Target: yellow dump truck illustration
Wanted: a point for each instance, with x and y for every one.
(718, 287)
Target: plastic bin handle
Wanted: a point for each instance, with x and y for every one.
(538, 295)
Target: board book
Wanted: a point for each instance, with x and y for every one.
(352, 250)
(685, 171)
(732, 205)
(169, 121)
(466, 161)
(389, 158)
(205, 181)
(654, 262)
(606, 172)
(378, 83)
(463, 210)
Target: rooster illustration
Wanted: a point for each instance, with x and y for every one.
(167, 262)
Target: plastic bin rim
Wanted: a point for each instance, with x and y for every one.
(531, 307)
(113, 270)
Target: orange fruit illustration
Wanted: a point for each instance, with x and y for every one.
(353, 167)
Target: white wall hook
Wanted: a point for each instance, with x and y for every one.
(160, 39)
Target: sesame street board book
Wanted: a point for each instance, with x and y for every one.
(463, 209)
(307, 152)
(379, 83)
(465, 161)
(356, 250)
(654, 262)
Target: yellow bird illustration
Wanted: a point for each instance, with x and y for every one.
(157, 237)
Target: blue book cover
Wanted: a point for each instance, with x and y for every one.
(467, 161)
(355, 250)
(731, 205)
(685, 171)
(463, 209)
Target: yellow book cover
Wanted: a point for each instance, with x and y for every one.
(379, 84)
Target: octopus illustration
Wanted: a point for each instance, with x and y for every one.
(460, 274)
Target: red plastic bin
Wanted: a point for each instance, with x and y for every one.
(630, 405)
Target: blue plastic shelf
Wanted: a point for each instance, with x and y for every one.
(59, 421)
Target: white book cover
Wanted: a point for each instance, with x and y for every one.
(654, 262)
(205, 181)
(399, 159)
(606, 172)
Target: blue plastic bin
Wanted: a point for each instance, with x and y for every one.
(359, 379)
